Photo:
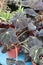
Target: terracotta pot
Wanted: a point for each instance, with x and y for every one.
(33, 63)
(13, 53)
(0, 44)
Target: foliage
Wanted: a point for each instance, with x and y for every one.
(6, 15)
(20, 9)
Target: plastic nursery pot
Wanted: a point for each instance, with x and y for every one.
(13, 53)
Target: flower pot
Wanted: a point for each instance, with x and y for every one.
(34, 63)
(0, 44)
(13, 53)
